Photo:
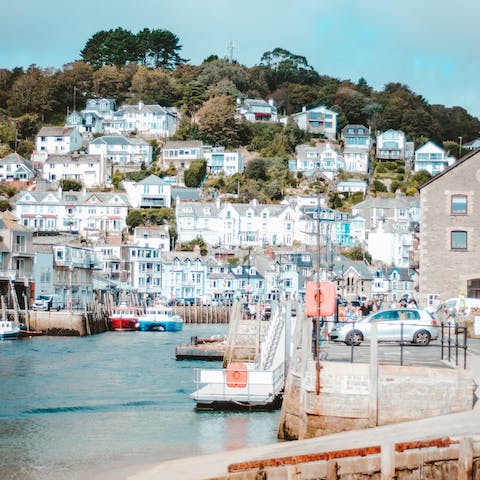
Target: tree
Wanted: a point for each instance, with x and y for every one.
(69, 185)
(256, 169)
(112, 47)
(111, 82)
(134, 218)
(217, 123)
(420, 177)
(159, 48)
(283, 66)
(152, 87)
(357, 253)
(194, 175)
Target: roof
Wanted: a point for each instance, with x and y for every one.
(152, 180)
(55, 131)
(118, 140)
(76, 157)
(183, 144)
(188, 194)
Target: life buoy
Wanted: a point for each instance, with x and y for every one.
(320, 299)
(236, 375)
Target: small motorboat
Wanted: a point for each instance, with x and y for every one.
(124, 317)
(160, 317)
(8, 330)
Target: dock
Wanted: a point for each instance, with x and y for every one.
(208, 349)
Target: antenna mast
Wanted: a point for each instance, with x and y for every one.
(230, 48)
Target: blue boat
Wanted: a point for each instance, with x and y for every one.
(8, 330)
(159, 318)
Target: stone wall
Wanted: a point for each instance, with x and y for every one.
(347, 401)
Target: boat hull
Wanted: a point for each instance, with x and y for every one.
(123, 324)
(160, 325)
(8, 330)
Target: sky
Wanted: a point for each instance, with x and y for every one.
(429, 45)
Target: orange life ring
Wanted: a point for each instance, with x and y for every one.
(320, 299)
(236, 375)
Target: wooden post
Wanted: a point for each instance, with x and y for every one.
(27, 313)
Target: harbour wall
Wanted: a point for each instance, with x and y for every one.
(349, 400)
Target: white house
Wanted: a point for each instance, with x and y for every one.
(91, 214)
(258, 110)
(390, 243)
(392, 145)
(153, 236)
(120, 150)
(103, 107)
(90, 170)
(220, 161)
(85, 122)
(151, 120)
(56, 140)
(149, 192)
(15, 167)
(432, 158)
(182, 153)
(352, 186)
(319, 120)
(356, 150)
(323, 157)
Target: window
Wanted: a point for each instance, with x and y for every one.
(458, 240)
(458, 205)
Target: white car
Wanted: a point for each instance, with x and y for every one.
(394, 324)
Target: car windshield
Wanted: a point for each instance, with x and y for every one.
(43, 297)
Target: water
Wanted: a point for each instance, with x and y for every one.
(72, 407)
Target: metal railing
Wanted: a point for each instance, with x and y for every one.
(452, 340)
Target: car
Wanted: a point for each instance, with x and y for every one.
(413, 325)
(48, 302)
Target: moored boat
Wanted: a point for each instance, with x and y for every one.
(160, 317)
(8, 330)
(124, 317)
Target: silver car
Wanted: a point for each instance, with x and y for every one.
(394, 324)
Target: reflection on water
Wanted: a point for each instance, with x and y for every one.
(69, 404)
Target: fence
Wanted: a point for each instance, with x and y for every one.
(450, 341)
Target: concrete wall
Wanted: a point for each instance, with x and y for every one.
(347, 401)
(58, 323)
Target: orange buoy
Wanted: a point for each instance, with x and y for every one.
(236, 375)
(320, 299)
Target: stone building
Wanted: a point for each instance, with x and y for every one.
(449, 240)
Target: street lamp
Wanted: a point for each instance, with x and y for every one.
(460, 147)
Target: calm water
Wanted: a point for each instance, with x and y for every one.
(70, 406)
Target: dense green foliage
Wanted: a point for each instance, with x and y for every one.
(194, 175)
(156, 48)
(69, 185)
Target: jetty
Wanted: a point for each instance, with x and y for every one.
(255, 363)
(202, 348)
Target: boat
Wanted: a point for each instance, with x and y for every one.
(160, 317)
(124, 317)
(8, 330)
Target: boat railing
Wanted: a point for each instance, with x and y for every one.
(260, 386)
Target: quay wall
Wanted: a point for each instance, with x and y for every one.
(459, 460)
(347, 400)
(66, 323)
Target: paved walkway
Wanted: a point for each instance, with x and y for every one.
(215, 465)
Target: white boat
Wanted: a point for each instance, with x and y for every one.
(8, 330)
(160, 317)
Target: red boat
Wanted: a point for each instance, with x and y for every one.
(124, 317)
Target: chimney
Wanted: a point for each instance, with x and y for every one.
(140, 105)
(304, 108)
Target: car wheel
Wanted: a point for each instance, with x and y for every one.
(422, 337)
(354, 337)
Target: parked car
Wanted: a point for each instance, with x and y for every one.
(395, 324)
(48, 302)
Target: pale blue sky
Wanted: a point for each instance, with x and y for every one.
(430, 45)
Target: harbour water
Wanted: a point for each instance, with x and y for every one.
(79, 407)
